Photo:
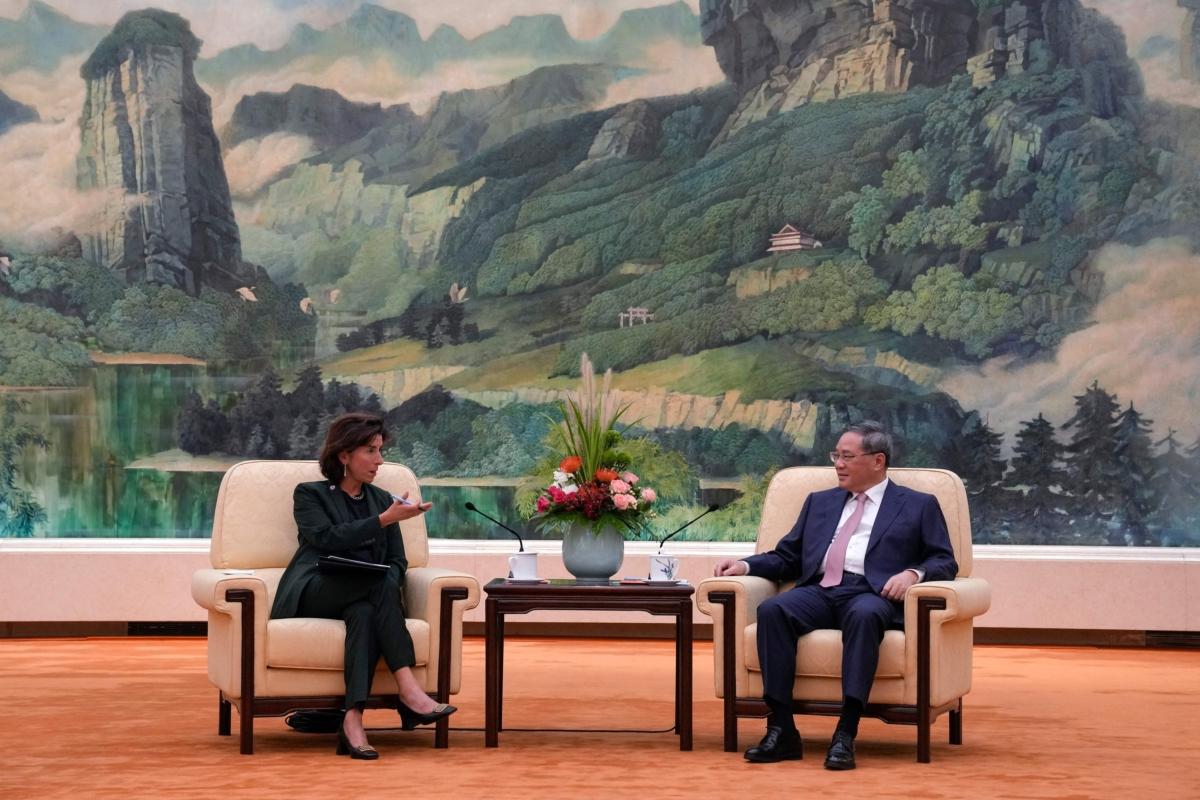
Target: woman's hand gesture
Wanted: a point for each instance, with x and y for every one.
(402, 509)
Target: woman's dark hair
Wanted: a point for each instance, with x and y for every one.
(346, 433)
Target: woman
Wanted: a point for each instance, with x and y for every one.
(345, 515)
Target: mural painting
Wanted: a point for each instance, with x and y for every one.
(975, 220)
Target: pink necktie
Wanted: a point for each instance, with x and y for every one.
(836, 558)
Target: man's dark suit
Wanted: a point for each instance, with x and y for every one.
(909, 532)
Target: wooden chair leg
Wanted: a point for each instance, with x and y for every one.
(925, 607)
(923, 735)
(223, 715)
(956, 724)
(245, 597)
(441, 732)
(728, 684)
(246, 725)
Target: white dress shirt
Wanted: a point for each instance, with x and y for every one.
(860, 537)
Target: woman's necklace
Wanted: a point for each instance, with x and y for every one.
(358, 496)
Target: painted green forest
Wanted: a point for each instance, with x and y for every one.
(999, 261)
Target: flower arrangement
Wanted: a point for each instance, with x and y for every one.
(593, 484)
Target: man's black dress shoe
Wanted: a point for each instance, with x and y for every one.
(777, 746)
(841, 752)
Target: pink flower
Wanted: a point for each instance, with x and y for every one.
(630, 478)
(619, 487)
(649, 495)
(543, 503)
(624, 501)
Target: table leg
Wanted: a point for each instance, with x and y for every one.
(678, 672)
(684, 680)
(500, 671)
(492, 645)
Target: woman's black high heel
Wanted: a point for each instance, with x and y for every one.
(344, 748)
(409, 719)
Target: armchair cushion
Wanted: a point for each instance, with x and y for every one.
(303, 643)
(819, 654)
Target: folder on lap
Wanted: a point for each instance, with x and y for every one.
(349, 566)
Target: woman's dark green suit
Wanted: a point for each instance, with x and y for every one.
(328, 522)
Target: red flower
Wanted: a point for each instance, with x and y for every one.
(605, 475)
(543, 503)
(570, 464)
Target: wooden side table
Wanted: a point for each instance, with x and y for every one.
(508, 597)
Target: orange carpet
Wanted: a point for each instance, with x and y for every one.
(136, 718)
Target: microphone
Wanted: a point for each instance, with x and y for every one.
(471, 507)
(711, 508)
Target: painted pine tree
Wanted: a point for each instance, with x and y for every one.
(982, 470)
(1037, 472)
(1137, 492)
(1177, 480)
(1091, 463)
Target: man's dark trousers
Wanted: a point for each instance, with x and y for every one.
(853, 606)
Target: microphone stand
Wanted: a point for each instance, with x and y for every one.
(713, 507)
(471, 507)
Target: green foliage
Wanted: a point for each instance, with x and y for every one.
(908, 177)
(436, 434)
(872, 208)
(727, 451)
(505, 441)
(160, 319)
(39, 347)
(666, 292)
(20, 511)
(941, 227)
(70, 286)
(265, 421)
(144, 28)
(589, 419)
(945, 304)
(832, 298)
(722, 205)
(1092, 468)
(670, 474)
(1138, 495)
(377, 280)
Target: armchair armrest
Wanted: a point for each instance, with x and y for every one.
(965, 598)
(423, 587)
(210, 585)
(441, 597)
(744, 593)
(749, 591)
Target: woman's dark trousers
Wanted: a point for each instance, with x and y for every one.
(374, 619)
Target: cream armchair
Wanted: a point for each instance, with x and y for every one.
(923, 671)
(268, 667)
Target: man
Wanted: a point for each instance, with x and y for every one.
(853, 552)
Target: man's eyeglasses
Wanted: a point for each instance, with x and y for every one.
(835, 456)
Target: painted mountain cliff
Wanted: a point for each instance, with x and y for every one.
(147, 138)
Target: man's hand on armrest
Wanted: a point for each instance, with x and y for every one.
(731, 566)
(898, 585)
